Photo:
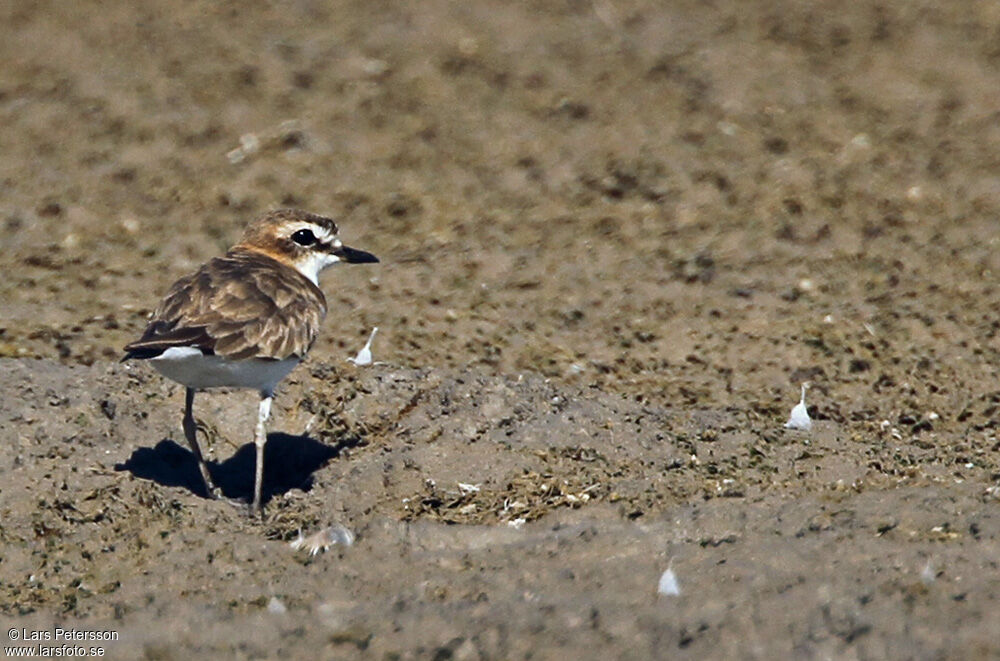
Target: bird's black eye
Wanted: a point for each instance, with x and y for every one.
(304, 237)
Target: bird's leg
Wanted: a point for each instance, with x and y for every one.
(191, 431)
(260, 438)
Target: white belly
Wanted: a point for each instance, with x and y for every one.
(191, 368)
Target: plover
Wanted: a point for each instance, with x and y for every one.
(246, 319)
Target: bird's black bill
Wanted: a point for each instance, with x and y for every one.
(352, 256)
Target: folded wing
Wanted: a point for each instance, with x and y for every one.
(242, 305)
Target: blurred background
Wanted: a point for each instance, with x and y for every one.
(687, 202)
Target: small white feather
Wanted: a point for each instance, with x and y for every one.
(799, 419)
(364, 356)
(323, 539)
(668, 585)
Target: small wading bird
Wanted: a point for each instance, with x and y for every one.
(246, 319)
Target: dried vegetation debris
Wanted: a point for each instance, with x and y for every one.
(559, 481)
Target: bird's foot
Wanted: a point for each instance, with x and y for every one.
(247, 507)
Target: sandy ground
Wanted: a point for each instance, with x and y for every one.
(616, 238)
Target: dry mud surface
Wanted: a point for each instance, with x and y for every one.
(616, 238)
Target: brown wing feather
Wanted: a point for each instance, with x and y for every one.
(242, 305)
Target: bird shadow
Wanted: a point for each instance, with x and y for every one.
(289, 463)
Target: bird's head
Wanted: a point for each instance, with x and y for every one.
(302, 240)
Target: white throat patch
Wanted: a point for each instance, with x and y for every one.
(312, 263)
(315, 261)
